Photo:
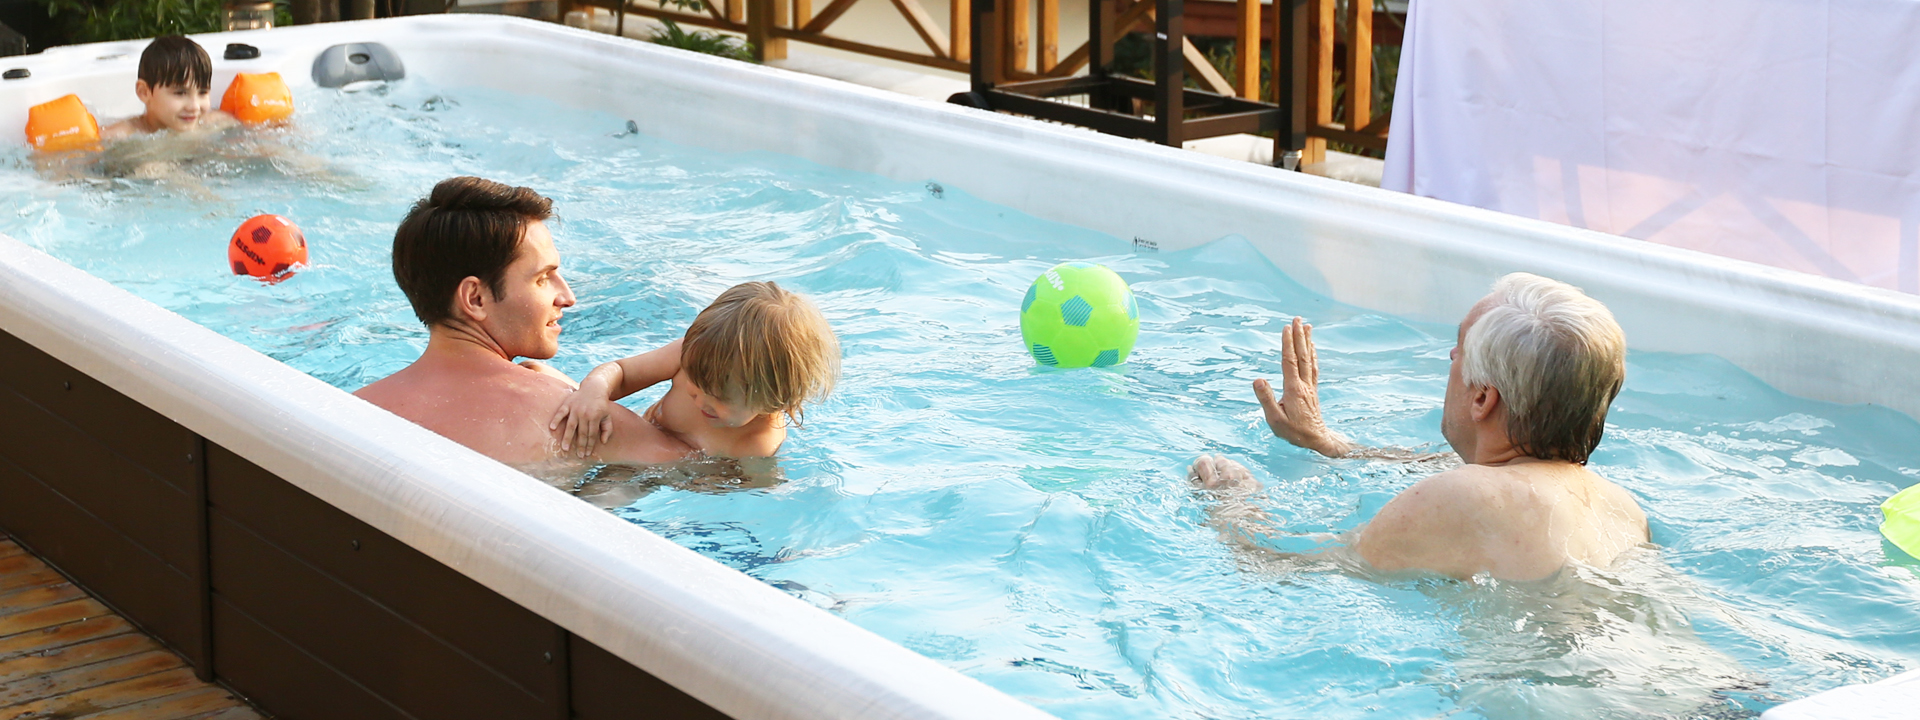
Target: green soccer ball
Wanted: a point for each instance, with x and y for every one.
(1903, 520)
(1079, 315)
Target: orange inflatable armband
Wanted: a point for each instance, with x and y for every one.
(63, 124)
(255, 98)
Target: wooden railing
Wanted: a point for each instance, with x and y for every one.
(947, 51)
(1138, 15)
(1328, 43)
(1321, 32)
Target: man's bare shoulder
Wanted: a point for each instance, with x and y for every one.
(1467, 488)
(498, 411)
(1438, 524)
(383, 391)
(1614, 492)
(502, 411)
(1621, 506)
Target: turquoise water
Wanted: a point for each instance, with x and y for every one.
(1032, 528)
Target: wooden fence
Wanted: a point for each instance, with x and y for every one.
(1329, 43)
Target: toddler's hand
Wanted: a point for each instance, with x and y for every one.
(583, 420)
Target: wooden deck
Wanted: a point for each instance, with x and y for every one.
(64, 655)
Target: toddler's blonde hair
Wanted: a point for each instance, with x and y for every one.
(762, 346)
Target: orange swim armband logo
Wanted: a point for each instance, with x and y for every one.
(60, 125)
(255, 98)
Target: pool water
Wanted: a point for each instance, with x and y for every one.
(1032, 528)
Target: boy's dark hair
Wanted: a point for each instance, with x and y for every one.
(467, 227)
(175, 60)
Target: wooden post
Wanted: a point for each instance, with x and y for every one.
(1319, 64)
(1098, 50)
(1169, 73)
(1050, 34)
(1017, 15)
(803, 13)
(782, 18)
(1290, 77)
(737, 10)
(562, 673)
(762, 17)
(202, 565)
(305, 12)
(1359, 64)
(960, 28)
(1281, 79)
(988, 38)
(1246, 50)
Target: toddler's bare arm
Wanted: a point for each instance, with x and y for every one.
(584, 419)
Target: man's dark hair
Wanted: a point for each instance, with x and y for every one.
(468, 227)
(175, 60)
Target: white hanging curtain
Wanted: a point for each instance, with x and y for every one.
(1785, 132)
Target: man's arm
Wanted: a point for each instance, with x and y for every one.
(1295, 417)
(634, 441)
(1231, 488)
(1239, 521)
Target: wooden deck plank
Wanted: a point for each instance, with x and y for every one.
(237, 712)
(88, 702)
(72, 656)
(20, 601)
(178, 706)
(69, 680)
(31, 577)
(63, 635)
(51, 615)
(65, 656)
(16, 563)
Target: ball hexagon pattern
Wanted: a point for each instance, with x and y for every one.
(267, 247)
(1079, 315)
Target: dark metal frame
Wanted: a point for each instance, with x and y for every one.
(1111, 96)
(297, 606)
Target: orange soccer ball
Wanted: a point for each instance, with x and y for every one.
(267, 247)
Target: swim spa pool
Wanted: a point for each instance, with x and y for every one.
(1062, 488)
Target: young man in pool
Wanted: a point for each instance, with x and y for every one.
(175, 84)
(1535, 366)
(478, 265)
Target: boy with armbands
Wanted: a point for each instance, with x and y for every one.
(176, 85)
(740, 376)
